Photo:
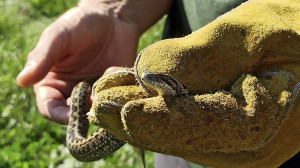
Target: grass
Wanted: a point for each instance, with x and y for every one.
(27, 139)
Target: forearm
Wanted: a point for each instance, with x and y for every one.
(142, 13)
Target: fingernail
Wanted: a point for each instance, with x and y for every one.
(29, 66)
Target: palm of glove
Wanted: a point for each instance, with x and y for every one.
(188, 97)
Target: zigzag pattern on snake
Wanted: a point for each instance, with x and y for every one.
(87, 148)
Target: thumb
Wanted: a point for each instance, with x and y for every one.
(40, 61)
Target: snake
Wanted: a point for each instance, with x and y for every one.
(101, 143)
(85, 148)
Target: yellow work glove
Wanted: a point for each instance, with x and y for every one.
(224, 96)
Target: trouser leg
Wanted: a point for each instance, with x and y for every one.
(166, 161)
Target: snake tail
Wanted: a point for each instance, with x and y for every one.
(83, 147)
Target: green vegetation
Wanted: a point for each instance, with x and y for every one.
(27, 139)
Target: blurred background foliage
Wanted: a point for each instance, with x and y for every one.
(27, 139)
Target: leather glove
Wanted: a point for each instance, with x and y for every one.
(223, 96)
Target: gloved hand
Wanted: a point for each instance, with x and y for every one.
(224, 96)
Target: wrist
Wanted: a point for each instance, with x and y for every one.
(141, 13)
(109, 7)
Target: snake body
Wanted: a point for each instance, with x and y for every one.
(87, 148)
(101, 143)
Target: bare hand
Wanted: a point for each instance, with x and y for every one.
(83, 42)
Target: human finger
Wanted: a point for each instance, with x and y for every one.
(43, 57)
(111, 70)
(52, 104)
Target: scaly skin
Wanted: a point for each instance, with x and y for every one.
(102, 143)
(82, 147)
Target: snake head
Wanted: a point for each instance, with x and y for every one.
(163, 84)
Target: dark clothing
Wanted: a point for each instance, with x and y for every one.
(187, 16)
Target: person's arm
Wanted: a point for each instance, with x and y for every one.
(141, 13)
(83, 42)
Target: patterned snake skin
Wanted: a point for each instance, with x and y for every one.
(87, 148)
